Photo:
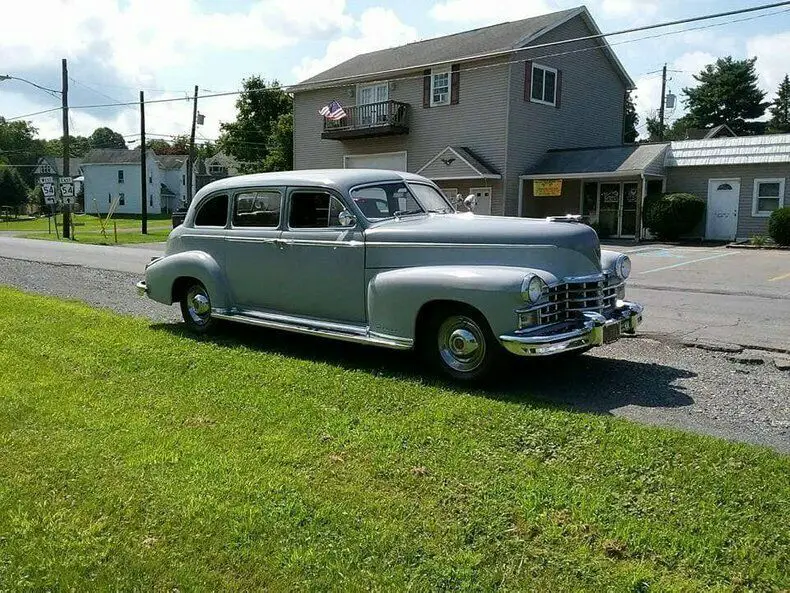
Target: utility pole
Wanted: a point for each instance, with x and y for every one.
(663, 103)
(65, 105)
(191, 157)
(143, 168)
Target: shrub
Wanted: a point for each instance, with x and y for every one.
(758, 240)
(779, 226)
(673, 215)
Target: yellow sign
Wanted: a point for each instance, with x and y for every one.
(546, 188)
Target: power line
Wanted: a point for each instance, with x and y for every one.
(482, 56)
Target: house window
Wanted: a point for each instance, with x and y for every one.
(183, 180)
(769, 195)
(544, 85)
(217, 170)
(121, 199)
(372, 93)
(150, 179)
(440, 87)
(150, 199)
(120, 175)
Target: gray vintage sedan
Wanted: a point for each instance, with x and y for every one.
(382, 258)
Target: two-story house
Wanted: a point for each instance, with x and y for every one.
(474, 111)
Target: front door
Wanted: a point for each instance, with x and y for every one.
(371, 100)
(617, 210)
(722, 218)
(323, 261)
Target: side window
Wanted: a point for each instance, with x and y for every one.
(122, 199)
(314, 210)
(213, 212)
(257, 209)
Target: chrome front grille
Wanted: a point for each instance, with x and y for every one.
(568, 300)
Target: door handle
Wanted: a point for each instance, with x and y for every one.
(280, 243)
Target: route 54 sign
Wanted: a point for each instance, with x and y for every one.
(48, 189)
(67, 190)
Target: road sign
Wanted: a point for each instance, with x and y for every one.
(45, 180)
(67, 190)
(48, 189)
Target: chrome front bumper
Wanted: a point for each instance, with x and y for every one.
(592, 329)
(142, 289)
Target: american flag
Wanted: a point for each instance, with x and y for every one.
(334, 111)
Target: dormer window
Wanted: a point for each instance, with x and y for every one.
(440, 86)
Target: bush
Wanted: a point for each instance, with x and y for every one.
(779, 226)
(673, 215)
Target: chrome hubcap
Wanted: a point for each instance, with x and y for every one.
(461, 343)
(198, 305)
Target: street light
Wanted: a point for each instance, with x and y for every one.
(38, 86)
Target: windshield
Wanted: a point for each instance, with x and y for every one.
(387, 200)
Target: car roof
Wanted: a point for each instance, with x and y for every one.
(339, 179)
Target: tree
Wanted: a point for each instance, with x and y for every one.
(106, 138)
(631, 120)
(281, 145)
(727, 93)
(78, 146)
(13, 190)
(259, 108)
(780, 110)
(19, 146)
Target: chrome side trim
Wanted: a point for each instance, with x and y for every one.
(325, 329)
(318, 243)
(456, 245)
(250, 240)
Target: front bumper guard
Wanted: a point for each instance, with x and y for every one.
(593, 329)
(142, 289)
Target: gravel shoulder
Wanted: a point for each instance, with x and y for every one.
(658, 382)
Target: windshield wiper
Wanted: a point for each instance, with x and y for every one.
(407, 212)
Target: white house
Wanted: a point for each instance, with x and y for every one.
(112, 172)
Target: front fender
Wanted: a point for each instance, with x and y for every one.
(395, 297)
(162, 274)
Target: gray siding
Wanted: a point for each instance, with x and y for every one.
(694, 180)
(590, 113)
(477, 121)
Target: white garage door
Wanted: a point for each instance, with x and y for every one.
(389, 160)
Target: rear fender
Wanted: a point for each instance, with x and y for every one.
(395, 297)
(162, 274)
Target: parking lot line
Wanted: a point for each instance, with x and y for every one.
(686, 263)
(782, 277)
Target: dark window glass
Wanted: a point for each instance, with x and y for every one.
(537, 83)
(257, 209)
(550, 86)
(213, 212)
(590, 201)
(314, 210)
(122, 200)
(120, 176)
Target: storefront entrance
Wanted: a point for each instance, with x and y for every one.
(612, 206)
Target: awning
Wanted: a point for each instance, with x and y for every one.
(457, 162)
(611, 162)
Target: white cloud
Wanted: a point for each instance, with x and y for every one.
(472, 11)
(623, 8)
(377, 28)
(771, 52)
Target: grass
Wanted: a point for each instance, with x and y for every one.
(83, 222)
(124, 237)
(133, 457)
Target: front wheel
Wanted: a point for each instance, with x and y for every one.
(460, 344)
(196, 309)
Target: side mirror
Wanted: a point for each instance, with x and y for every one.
(470, 202)
(345, 218)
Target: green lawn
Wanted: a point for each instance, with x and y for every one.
(84, 222)
(155, 234)
(134, 457)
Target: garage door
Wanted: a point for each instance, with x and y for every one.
(390, 160)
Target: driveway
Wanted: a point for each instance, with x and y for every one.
(713, 293)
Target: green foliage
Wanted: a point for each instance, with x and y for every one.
(249, 463)
(674, 215)
(780, 110)
(728, 93)
(281, 145)
(758, 240)
(78, 146)
(779, 226)
(258, 110)
(13, 190)
(106, 138)
(631, 120)
(19, 146)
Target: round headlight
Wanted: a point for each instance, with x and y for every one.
(532, 289)
(623, 267)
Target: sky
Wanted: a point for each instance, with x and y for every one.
(115, 48)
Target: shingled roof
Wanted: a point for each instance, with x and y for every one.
(458, 47)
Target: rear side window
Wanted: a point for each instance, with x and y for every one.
(314, 210)
(213, 212)
(257, 209)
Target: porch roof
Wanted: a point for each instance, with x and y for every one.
(601, 162)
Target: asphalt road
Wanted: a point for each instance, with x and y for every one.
(651, 378)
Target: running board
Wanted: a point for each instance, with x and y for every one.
(338, 331)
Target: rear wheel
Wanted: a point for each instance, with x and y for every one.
(459, 343)
(196, 308)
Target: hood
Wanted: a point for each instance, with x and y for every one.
(477, 238)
